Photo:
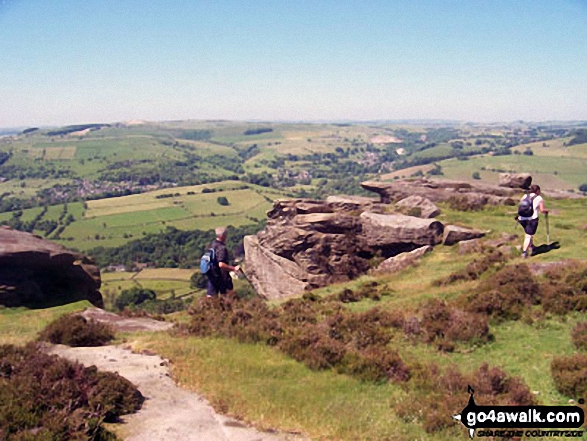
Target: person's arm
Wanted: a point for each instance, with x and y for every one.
(542, 208)
(227, 267)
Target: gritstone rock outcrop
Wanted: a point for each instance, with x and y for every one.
(36, 272)
(308, 244)
(442, 190)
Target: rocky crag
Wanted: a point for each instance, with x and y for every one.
(36, 272)
(308, 244)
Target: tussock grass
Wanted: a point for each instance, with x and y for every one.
(258, 384)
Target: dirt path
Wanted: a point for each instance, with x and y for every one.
(169, 412)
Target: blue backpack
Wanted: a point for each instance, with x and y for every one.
(208, 262)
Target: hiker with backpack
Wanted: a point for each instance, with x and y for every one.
(531, 205)
(215, 264)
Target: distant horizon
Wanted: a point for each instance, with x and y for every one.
(414, 121)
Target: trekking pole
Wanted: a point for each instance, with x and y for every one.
(547, 230)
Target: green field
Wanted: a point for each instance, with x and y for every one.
(115, 221)
(553, 164)
(555, 172)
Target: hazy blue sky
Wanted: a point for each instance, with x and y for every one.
(77, 61)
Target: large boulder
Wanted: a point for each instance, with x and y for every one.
(36, 272)
(515, 180)
(402, 261)
(418, 206)
(454, 234)
(389, 231)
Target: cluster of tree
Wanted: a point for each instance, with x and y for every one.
(258, 131)
(249, 152)
(579, 138)
(35, 171)
(263, 179)
(77, 128)
(172, 248)
(167, 195)
(233, 164)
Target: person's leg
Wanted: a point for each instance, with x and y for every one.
(530, 228)
(227, 287)
(527, 243)
(211, 290)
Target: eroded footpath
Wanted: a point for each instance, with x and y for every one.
(169, 412)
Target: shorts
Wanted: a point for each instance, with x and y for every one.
(530, 226)
(218, 286)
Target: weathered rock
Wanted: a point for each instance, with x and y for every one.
(471, 246)
(419, 206)
(290, 208)
(454, 234)
(442, 190)
(37, 272)
(271, 275)
(400, 232)
(402, 261)
(350, 203)
(126, 324)
(515, 180)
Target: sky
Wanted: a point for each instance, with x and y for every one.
(98, 61)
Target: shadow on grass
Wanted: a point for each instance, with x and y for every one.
(541, 249)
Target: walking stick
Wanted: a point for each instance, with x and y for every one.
(547, 230)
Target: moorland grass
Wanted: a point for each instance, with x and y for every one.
(260, 385)
(19, 326)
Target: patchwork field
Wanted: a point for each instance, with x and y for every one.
(115, 221)
(112, 222)
(561, 172)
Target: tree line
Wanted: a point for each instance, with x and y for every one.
(172, 248)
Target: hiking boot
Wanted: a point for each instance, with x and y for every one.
(524, 255)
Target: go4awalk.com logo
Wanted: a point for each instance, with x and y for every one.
(518, 421)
